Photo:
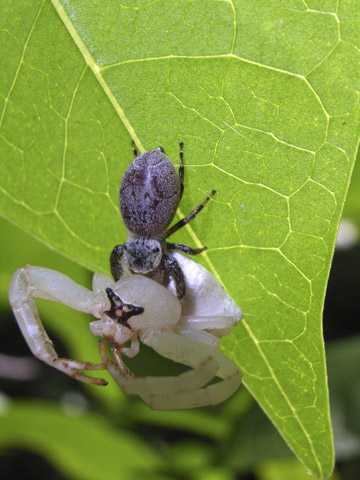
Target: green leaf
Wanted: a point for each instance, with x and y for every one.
(283, 470)
(264, 96)
(68, 442)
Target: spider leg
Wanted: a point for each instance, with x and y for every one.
(189, 217)
(210, 395)
(200, 336)
(168, 386)
(181, 171)
(216, 325)
(189, 389)
(116, 264)
(184, 248)
(206, 329)
(190, 352)
(173, 270)
(34, 282)
(134, 148)
(185, 350)
(117, 367)
(134, 348)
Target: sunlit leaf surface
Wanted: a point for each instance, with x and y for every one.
(264, 96)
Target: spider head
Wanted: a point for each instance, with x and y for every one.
(114, 325)
(121, 311)
(135, 305)
(143, 254)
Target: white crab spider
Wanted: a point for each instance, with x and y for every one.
(137, 308)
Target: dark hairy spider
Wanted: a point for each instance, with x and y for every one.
(150, 193)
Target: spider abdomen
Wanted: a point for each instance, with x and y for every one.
(149, 193)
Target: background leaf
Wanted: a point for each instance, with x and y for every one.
(264, 96)
(69, 441)
(352, 204)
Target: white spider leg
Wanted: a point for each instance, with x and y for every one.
(208, 322)
(51, 285)
(187, 351)
(29, 282)
(134, 348)
(201, 336)
(216, 327)
(117, 367)
(203, 397)
(125, 372)
(185, 382)
(100, 283)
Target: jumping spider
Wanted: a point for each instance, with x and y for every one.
(150, 193)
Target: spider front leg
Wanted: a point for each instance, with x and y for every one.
(189, 217)
(173, 270)
(181, 171)
(35, 282)
(116, 264)
(180, 247)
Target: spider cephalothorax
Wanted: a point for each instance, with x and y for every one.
(150, 193)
